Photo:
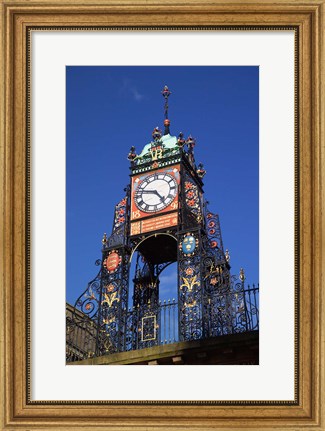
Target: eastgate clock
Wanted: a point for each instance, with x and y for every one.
(155, 192)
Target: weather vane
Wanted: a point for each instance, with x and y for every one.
(166, 93)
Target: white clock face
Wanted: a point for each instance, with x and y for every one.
(155, 192)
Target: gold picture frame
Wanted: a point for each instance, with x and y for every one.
(17, 410)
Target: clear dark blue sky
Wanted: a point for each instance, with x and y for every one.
(111, 108)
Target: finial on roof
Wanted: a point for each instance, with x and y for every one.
(242, 275)
(166, 93)
(132, 154)
(104, 240)
(156, 134)
(200, 170)
(181, 140)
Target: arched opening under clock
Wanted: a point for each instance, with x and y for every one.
(154, 281)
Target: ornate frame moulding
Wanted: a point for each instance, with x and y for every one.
(18, 411)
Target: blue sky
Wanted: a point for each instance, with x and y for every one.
(109, 109)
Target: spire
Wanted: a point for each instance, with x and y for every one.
(166, 93)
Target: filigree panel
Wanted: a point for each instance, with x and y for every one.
(190, 288)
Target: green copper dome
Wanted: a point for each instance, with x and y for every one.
(167, 142)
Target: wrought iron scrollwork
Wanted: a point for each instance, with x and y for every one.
(190, 288)
(145, 319)
(81, 329)
(113, 301)
(213, 230)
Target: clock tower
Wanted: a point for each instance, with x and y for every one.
(163, 218)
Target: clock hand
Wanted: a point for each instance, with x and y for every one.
(154, 192)
(161, 197)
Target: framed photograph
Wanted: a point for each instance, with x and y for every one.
(81, 123)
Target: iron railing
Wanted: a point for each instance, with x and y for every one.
(241, 315)
(168, 318)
